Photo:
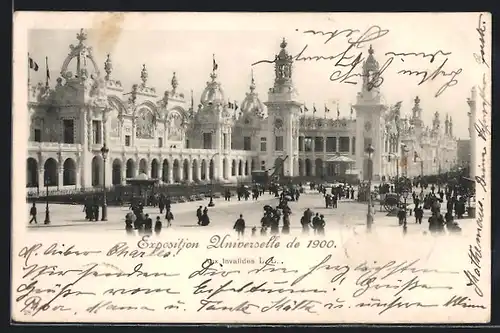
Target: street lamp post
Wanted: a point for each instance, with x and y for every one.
(47, 212)
(211, 203)
(405, 150)
(405, 196)
(369, 216)
(104, 152)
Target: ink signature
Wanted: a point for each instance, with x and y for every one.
(481, 28)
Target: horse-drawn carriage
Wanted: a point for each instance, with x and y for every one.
(389, 201)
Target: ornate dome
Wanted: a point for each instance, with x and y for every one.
(252, 103)
(371, 64)
(213, 93)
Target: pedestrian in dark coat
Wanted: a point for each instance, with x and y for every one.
(199, 213)
(148, 225)
(33, 213)
(239, 226)
(169, 217)
(158, 226)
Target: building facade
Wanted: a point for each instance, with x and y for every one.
(165, 136)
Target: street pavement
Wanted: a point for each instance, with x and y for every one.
(349, 214)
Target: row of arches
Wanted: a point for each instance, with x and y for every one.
(170, 171)
(50, 174)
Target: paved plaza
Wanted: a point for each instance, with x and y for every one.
(349, 214)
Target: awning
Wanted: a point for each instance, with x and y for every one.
(340, 158)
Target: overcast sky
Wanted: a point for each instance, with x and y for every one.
(185, 44)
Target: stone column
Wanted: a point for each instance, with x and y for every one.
(180, 171)
(337, 144)
(160, 169)
(190, 171)
(60, 176)
(124, 171)
(170, 172)
(207, 170)
(41, 179)
(137, 167)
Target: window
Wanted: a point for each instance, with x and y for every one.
(207, 140)
(301, 143)
(263, 165)
(318, 144)
(344, 144)
(96, 132)
(160, 142)
(263, 144)
(278, 143)
(38, 135)
(187, 144)
(68, 132)
(331, 144)
(247, 143)
(308, 144)
(354, 145)
(224, 139)
(127, 140)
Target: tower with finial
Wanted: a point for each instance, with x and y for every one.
(283, 65)
(369, 120)
(416, 118)
(108, 67)
(450, 127)
(283, 108)
(144, 75)
(371, 78)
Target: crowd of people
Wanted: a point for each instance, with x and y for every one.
(432, 201)
(277, 219)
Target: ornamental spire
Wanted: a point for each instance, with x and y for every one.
(108, 67)
(144, 75)
(252, 84)
(175, 83)
(81, 36)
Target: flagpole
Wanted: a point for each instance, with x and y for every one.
(192, 100)
(47, 72)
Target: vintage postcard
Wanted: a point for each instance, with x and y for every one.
(251, 168)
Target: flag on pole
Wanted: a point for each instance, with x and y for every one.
(314, 108)
(215, 66)
(47, 71)
(306, 109)
(301, 110)
(32, 64)
(338, 111)
(327, 110)
(235, 105)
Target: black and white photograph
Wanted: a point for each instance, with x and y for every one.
(251, 167)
